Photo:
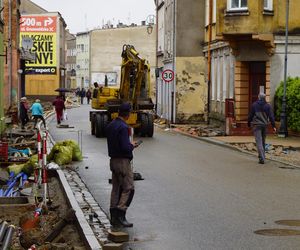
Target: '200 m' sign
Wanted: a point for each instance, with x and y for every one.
(41, 30)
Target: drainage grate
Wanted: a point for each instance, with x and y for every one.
(277, 232)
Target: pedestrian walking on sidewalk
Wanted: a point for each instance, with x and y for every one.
(24, 112)
(88, 96)
(260, 115)
(82, 95)
(37, 112)
(120, 152)
(59, 105)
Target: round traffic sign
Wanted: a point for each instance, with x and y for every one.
(168, 75)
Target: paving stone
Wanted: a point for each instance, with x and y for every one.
(118, 236)
(113, 246)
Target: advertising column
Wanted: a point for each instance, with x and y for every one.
(41, 73)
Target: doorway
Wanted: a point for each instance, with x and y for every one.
(257, 80)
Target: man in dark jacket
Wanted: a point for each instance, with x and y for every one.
(260, 115)
(120, 152)
(24, 112)
(82, 95)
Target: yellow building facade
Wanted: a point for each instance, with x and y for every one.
(46, 72)
(245, 45)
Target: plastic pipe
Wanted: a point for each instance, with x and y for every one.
(3, 228)
(8, 237)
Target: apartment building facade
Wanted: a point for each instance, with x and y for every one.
(245, 48)
(180, 49)
(83, 60)
(106, 49)
(71, 53)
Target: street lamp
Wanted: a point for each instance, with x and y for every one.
(150, 21)
(283, 132)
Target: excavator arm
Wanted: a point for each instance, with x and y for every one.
(135, 81)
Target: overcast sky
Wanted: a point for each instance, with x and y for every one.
(90, 14)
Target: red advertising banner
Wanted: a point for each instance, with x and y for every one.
(38, 24)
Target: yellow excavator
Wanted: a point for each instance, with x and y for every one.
(134, 89)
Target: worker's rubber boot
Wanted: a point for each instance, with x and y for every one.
(122, 219)
(114, 217)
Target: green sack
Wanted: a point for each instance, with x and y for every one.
(33, 161)
(54, 151)
(76, 152)
(63, 155)
(16, 168)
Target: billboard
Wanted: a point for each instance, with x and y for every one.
(42, 31)
(99, 77)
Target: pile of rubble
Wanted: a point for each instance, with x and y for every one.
(286, 154)
(202, 130)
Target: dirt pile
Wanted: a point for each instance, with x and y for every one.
(34, 230)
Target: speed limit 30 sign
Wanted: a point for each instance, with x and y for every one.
(168, 75)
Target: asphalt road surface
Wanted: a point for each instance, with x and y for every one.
(195, 195)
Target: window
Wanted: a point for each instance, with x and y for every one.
(224, 93)
(219, 66)
(237, 4)
(268, 4)
(213, 79)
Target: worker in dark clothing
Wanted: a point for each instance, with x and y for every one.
(260, 115)
(95, 91)
(59, 105)
(120, 152)
(88, 96)
(24, 107)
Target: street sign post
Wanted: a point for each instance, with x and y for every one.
(168, 75)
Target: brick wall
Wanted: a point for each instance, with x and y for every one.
(241, 90)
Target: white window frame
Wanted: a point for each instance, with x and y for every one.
(229, 4)
(269, 5)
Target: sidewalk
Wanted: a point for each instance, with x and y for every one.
(292, 142)
(282, 150)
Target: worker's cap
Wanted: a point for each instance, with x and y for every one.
(125, 108)
(23, 98)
